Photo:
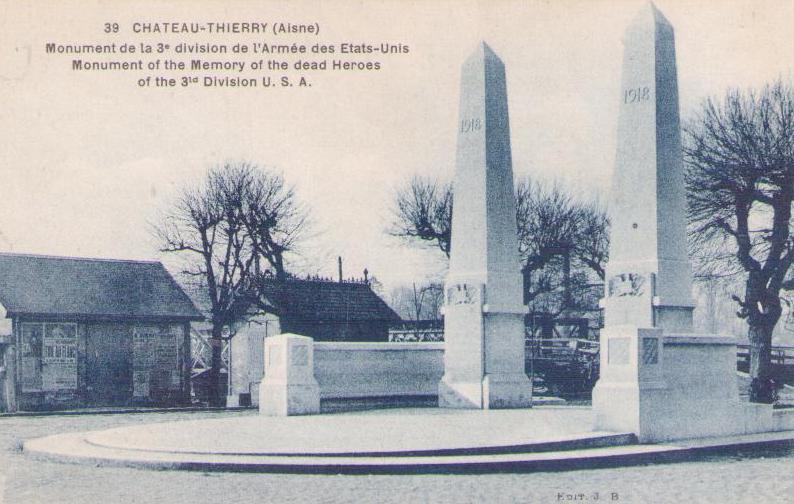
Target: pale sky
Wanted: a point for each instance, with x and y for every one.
(88, 159)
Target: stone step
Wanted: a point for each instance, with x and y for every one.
(583, 442)
(73, 448)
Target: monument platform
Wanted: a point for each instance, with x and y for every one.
(424, 440)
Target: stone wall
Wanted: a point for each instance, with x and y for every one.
(357, 370)
(378, 369)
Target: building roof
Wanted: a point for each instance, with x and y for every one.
(327, 301)
(91, 288)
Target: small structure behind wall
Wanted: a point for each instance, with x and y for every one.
(323, 309)
(247, 359)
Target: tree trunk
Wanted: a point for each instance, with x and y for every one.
(216, 397)
(278, 265)
(762, 388)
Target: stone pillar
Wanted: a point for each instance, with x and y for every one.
(483, 314)
(289, 386)
(631, 380)
(649, 279)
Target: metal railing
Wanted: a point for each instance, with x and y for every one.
(781, 355)
(201, 353)
(416, 335)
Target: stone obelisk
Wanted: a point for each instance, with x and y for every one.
(657, 379)
(649, 277)
(483, 313)
(648, 291)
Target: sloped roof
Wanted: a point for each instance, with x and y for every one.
(324, 301)
(91, 288)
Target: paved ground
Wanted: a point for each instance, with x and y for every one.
(751, 477)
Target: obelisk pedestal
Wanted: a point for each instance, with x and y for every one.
(483, 314)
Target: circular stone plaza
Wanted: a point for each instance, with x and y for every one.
(738, 474)
(387, 441)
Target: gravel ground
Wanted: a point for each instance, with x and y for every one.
(749, 477)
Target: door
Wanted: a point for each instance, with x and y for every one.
(109, 364)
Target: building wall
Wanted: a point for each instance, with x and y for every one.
(248, 354)
(8, 400)
(63, 363)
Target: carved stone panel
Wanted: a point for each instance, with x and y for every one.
(626, 284)
(464, 294)
(650, 350)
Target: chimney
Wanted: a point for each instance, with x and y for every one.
(339, 260)
(366, 276)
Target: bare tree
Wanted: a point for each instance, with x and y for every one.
(561, 240)
(563, 243)
(432, 300)
(423, 211)
(591, 245)
(232, 231)
(273, 221)
(421, 302)
(740, 180)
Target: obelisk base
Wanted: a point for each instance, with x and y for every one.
(674, 319)
(497, 391)
(461, 395)
(506, 391)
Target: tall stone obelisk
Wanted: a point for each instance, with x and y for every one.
(649, 277)
(483, 313)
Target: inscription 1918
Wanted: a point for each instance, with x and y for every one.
(637, 95)
(467, 125)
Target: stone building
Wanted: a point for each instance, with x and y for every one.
(92, 332)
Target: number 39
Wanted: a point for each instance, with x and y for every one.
(111, 27)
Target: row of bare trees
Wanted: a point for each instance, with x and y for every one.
(739, 155)
(232, 230)
(563, 242)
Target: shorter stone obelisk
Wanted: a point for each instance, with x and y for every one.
(483, 313)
